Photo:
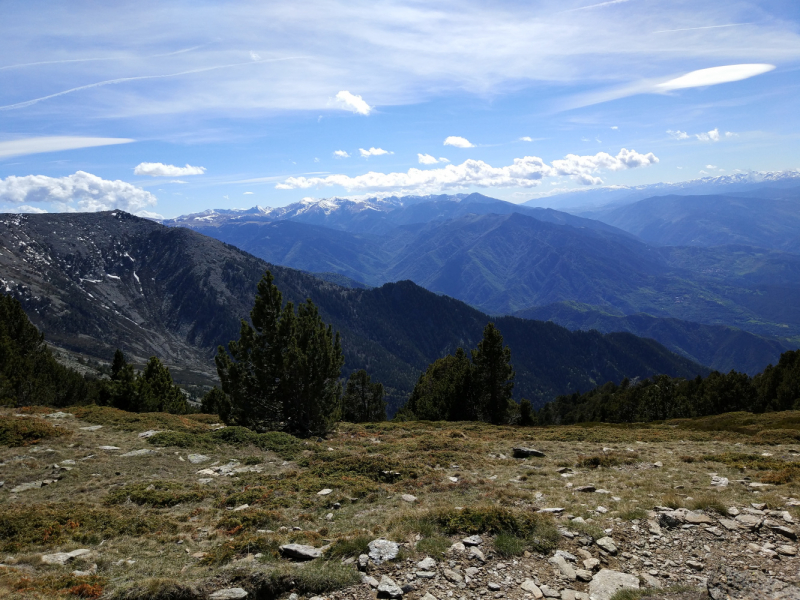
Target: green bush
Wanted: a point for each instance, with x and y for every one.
(537, 530)
(352, 546)
(15, 431)
(508, 545)
(435, 546)
(161, 494)
(250, 519)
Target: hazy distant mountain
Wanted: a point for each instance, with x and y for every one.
(94, 282)
(718, 346)
(584, 202)
(713, 220)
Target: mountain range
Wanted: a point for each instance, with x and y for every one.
(94, 282)
(502, 258)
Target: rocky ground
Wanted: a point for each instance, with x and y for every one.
(92, 507)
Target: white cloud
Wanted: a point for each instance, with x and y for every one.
(614, 127)
(162, 170)
(710, 136)
(373, 152)
(458, 142)
(714, 76)
(80, 191)
(254, 56)
(340, 154)
(711, 166)
(353, 103)
(678, 135)
(180, 181)
(34, 210)
(526, 138)
(39, 145)
(443, 159)
(248, 194)
(524, 172)
(426, 159)
(730, 134)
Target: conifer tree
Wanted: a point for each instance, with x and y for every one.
(283, 371)
(494, 376)
(363, 400)
(157, 393)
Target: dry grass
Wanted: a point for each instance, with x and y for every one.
(140, 507)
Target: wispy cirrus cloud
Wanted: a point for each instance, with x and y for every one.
(162, 170)
(705, 136)
(523, 172)
(80, 191)
(38, 145)
(714, 76)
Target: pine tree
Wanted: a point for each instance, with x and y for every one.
(494, 376)
(283, 371)
(363, 400)
(445, 391)
(157, 393)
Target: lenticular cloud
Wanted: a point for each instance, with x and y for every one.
(80, 191)
(524, 172)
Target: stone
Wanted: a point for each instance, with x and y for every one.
(729, 524)
(522, 452)
(229, 594)
(58, 415)
(425, 574)
(148, 434)
(670, 519)
(787, 550)
(142, 452)
(196, 459)
(453, 479)
(530, 586)
(453, 576)
(568, 595)
(608, 582)
(658, 464)
(563, 566)
(369, 580)
(695, 564)
(300, 551)
(751, 522)
(475, 552)
(24, 487)
(387, 588)
(493, 587)
(62, 558)
(108, 448)
(785, 531)
(567, 555)
(473, 540)
(591, 564)
(549, 592)
(650, 581)
(91, 428)
(719, 481)
(363, 562)
(653, 527)
(607, 544)
(697, 518)
(382, 550)
(429, 596)
(427, 564)
(408, 498)
(324, 492)
(585, 489)
(583, 575)
(242, 507)
(551, 510)
(457, 547)
(601, 509)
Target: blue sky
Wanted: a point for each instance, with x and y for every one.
(165, 108)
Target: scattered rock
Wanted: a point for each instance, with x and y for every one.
(607, 544)
(695, 564)
(591, 564)
(300, 552)
(583, 574)
(142, 452)
(149, 433)
(650, 581)
(585, 488)
(324, 492)
(549, 592)
(108, 448)
(697, 518)
(493, 587)
(58, 415)
(62, 558)
(229, 594)
(719, 481)
(563, 566)
(429, 596)
(473, 540)
(408, 498)
(369, 580)
(242, 507)
(91, 428)
(786, 550)
(196, 459)
(382, 550)
(387, 588)
(24, 487)
(475, 552)
(453, 576)
(529, 586)
(751, 522)
(363, 562)
(607, 583)
(457, 547)
(551, 510)
(522, 452)
(427, 564)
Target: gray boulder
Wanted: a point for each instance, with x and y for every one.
(382, 550)
(607, 583)
(300, 552)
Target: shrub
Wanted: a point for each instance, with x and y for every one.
(162, 494)
(158, 589)
(349, 547)
(610, 459)
(709, 503)
(242, 546)
(537, 530)
(315, 577)
(434, 546)
(15, 431)
(507, 545)
(251, 519)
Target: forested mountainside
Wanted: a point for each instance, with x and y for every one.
(720, 347)
(713, 220)
(505, 263)
(93, 282)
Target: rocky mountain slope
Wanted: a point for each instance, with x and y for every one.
(95, 282)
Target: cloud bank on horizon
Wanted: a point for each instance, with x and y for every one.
(287, 92)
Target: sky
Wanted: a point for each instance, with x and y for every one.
(168, 108)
